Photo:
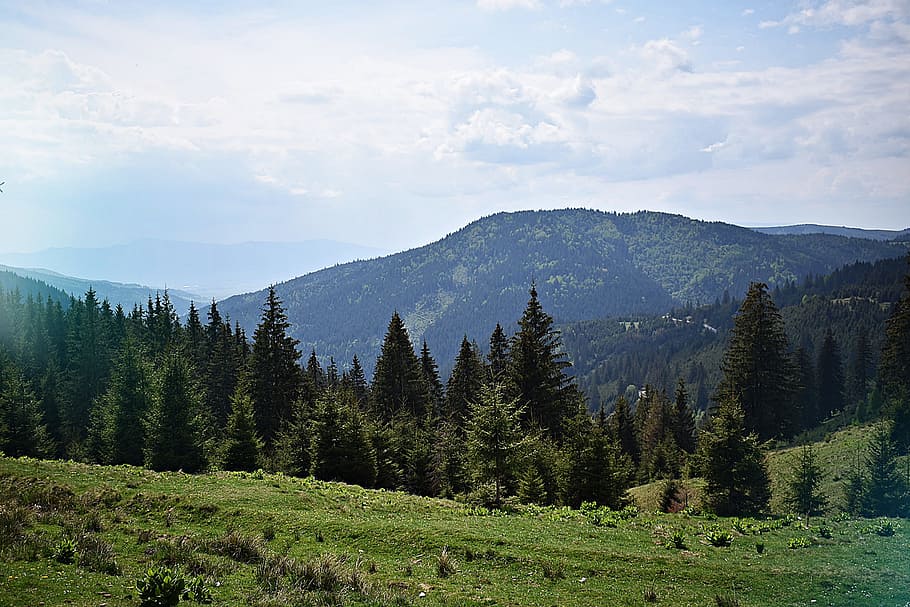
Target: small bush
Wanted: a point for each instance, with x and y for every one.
(650, 594)
(799, 542)
(268, 532)
(553, 570)
(445, 564)
(96, 554)
(724, 600)
(65, 551)
(678, 540)
(238, 547)
(882, 528)
(14, 520)
(161, 587)
(165, 587)
(825, 532)
(759, 547)
(719, 538)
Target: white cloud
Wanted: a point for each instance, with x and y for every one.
(849, 13)
(505, 5)
(748, 11)
(666, 55)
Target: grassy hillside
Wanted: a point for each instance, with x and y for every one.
(262, 539)
(838, 453)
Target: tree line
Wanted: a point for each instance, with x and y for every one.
(98, 384)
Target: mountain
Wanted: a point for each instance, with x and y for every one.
(38, 290)
(586, 264)
(812, 228)
(127, 295)
(209, 270)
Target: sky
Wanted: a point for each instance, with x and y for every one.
(391, 124)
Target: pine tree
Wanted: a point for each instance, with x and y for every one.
(464, 384)
(359, 386)
(171, 430)
(117, 430)
(830, 378)
(274, 375)
(591, 474)
(894, 368)
(494, 438)
(88, 358)
(241, 448)
(429, 371)
(807, 392)
(292, 447)
(499, 354)
(536, 371)
(859, 372)
(621, 429)
(758, 371)
(734, 466)
(683, 419)
(22, 431)
(222, 366)
(315, 376)
(342, 450)
(803, 486)
(448, 473)
(885, 492)
(660, 453)
(194, 344)
(397, 382)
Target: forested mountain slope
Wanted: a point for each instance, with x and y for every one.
(586, 264)
(614, 356)
(11, 283)
(812, 228)
(127, 295)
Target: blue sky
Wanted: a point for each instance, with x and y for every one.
(391, 124)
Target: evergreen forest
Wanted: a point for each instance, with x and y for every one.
(715, 385)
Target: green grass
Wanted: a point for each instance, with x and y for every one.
(837, 454)
(335, 545)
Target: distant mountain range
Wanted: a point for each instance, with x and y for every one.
(127, 295)
(205, 271)
(586, 264)
(812, 228)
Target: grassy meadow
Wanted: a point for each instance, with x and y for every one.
(76, 534)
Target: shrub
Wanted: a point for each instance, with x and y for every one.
(268, 532)
(718, 537)
(553, 570)
(824, 531)
(678, 539)
(759, 547)
(161, 587)
(650, 594)
(65, 551)
(723, 600)
(883, 528)
(238, 547)
(445, 564)
(96, 554)
(165, 587)
(799, 542)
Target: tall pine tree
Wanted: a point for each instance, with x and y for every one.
(758, 368)
(274, 377)
(536, 371)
